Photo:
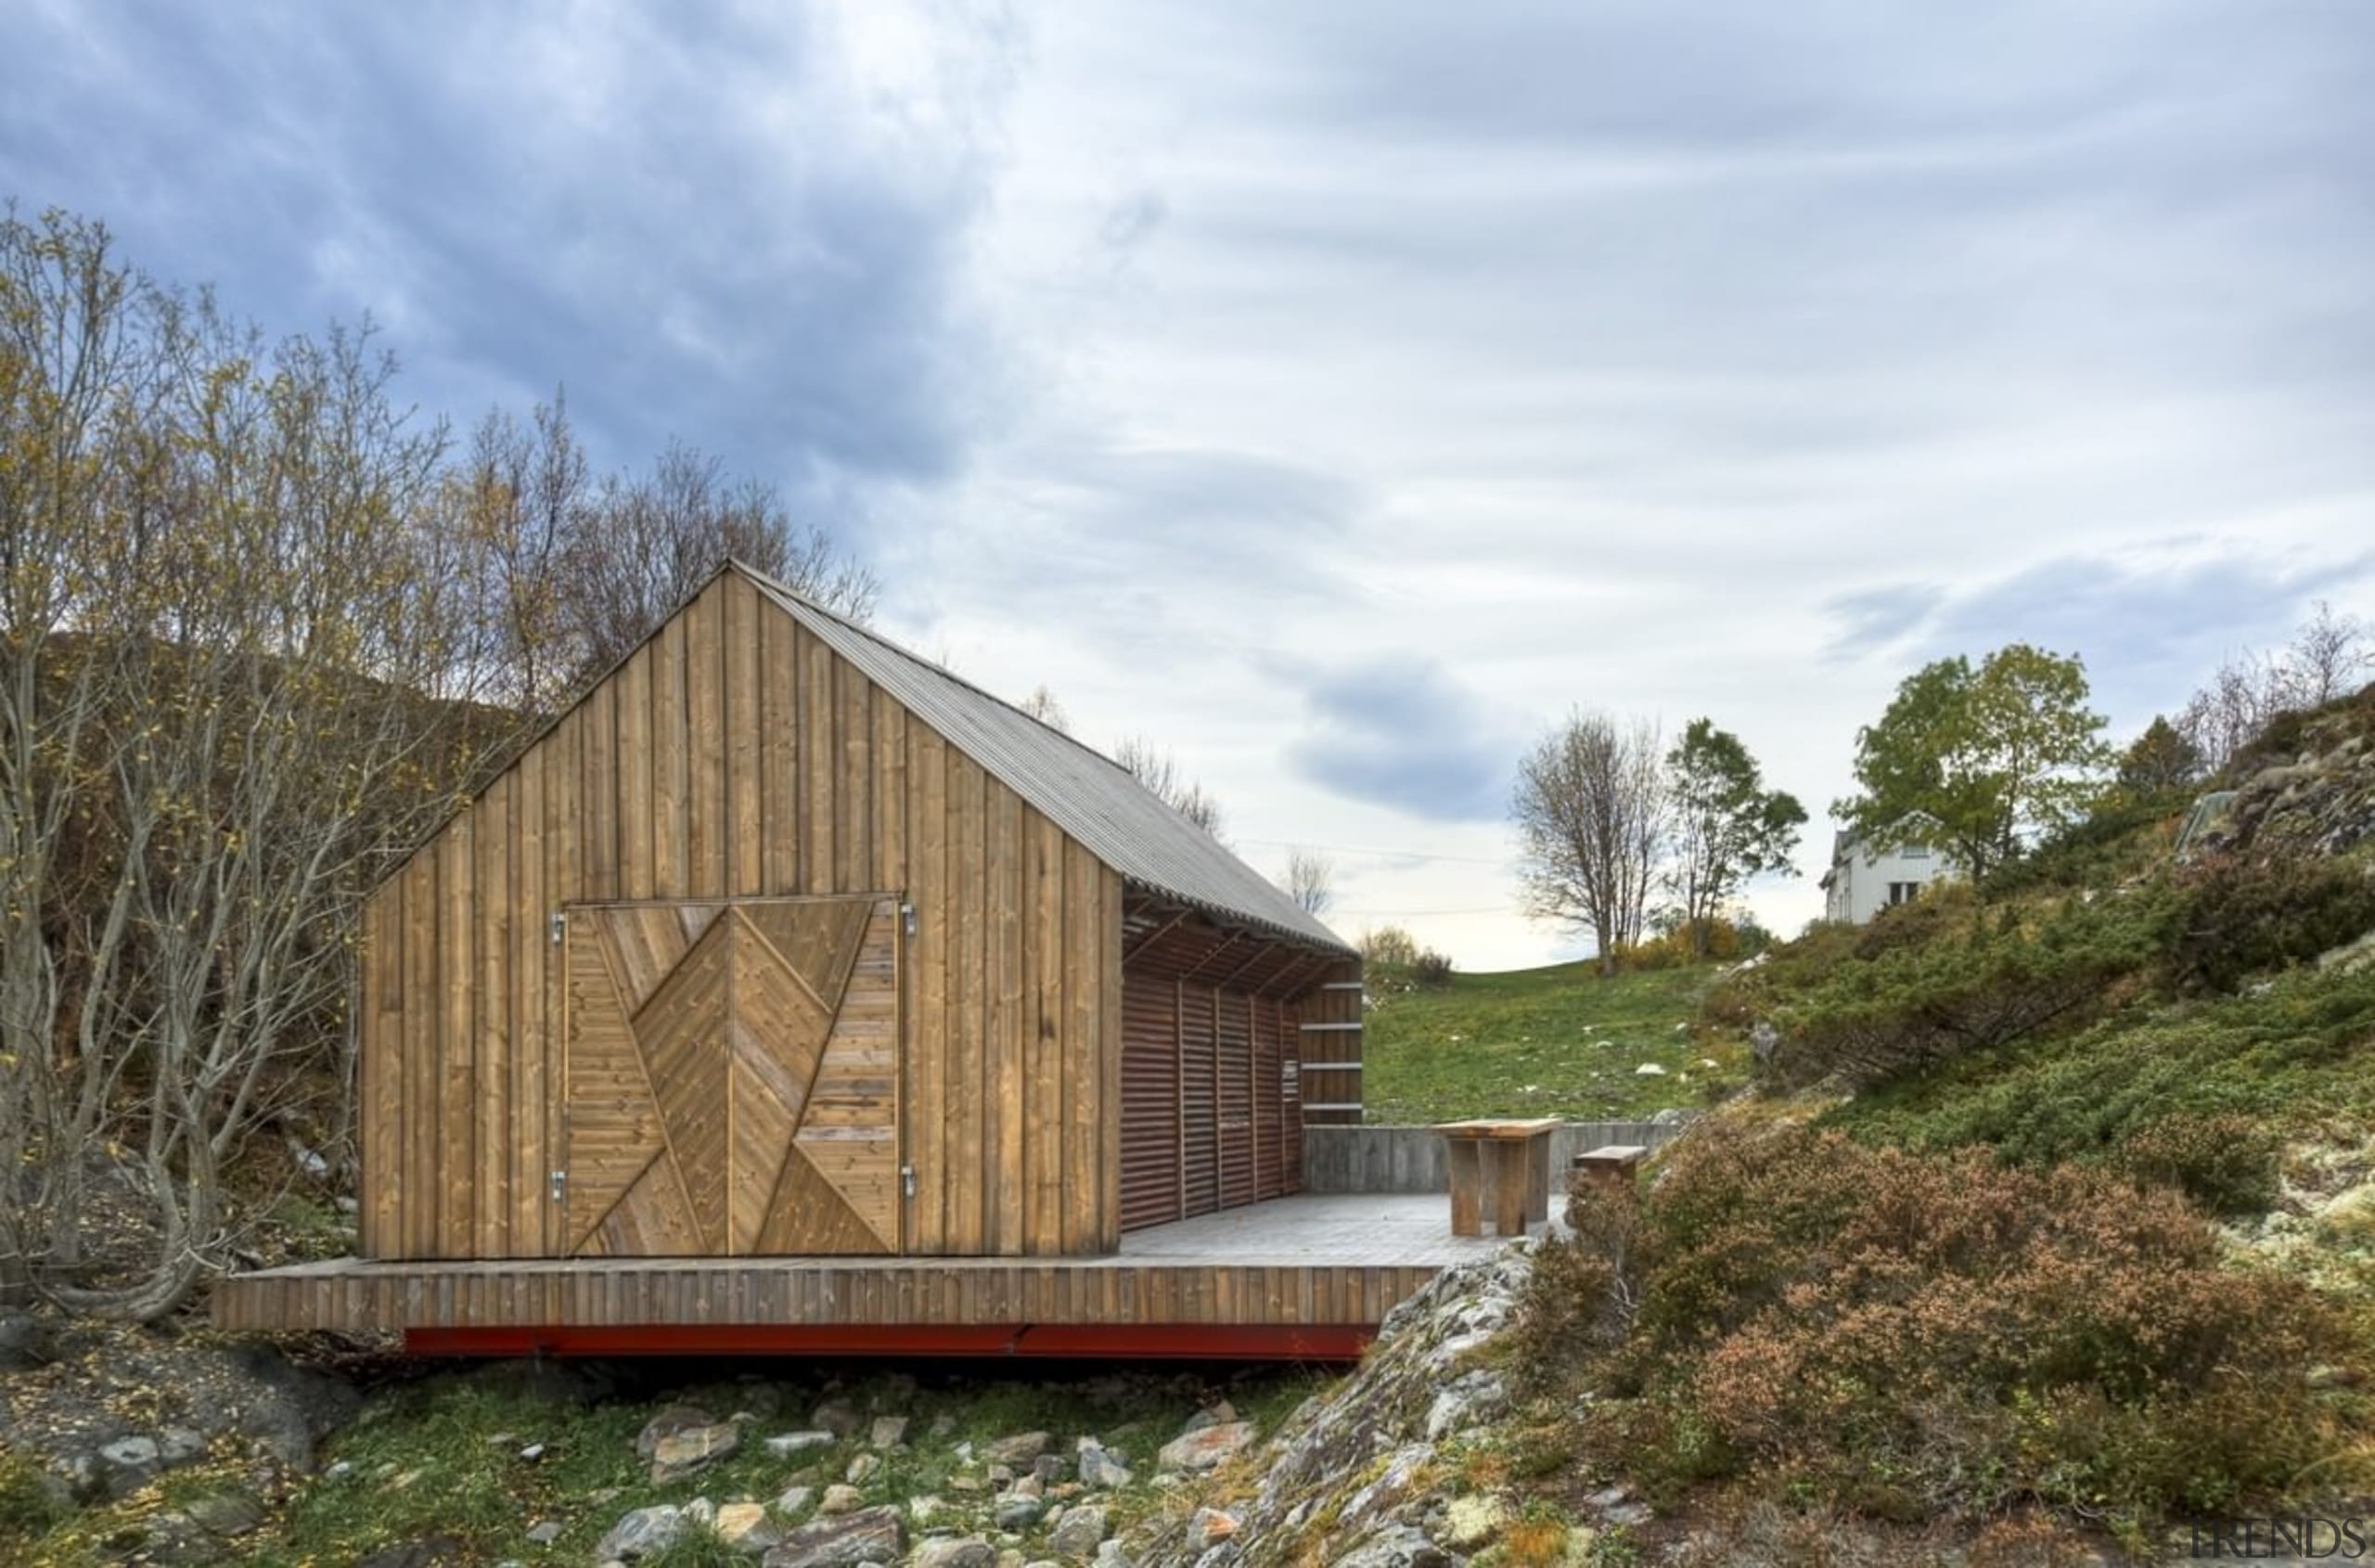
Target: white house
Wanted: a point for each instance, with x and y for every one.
(1862, 881)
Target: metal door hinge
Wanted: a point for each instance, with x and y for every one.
(560, 1187)
(907, 918)
(907, 1181)
(560, 925)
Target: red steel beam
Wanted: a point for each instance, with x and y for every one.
(1206, 1342)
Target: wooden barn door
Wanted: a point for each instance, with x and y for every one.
(731, 1082)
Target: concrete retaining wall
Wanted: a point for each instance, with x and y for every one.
(1411, 1159)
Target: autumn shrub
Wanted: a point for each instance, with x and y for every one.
(1431, 970)
(1911, 1336)
(2228, 1163)
(2241, 916)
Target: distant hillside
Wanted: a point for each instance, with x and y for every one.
(1560, 1041)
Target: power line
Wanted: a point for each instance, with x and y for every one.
(1412, 914)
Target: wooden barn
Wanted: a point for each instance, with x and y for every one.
(791, 990)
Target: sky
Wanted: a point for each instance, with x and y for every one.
(1337, 394)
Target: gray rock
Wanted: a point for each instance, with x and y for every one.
(1049, 1468)
(696, 1448)
(1102, 1467)
(179, 1446)
(544, 1532)
(1205, 1448)
(225, 1513)
(841, 1499)
(647, 1532)
(1079, 1532)
(942, 1426)
(784, 1445)
(1467, 1400)
(1219, 1413)
(838, 1417)
(1016, 1510)
(669, 1421)
(794, 1501)
(1209, 1528)
(26, 1342)
(1020, 1448)
(745, 1527)
(1028, 1487)
(889, 1431)
(864, 1468)
(950, 1551)
(872, 1535)
(1110, 1555)
(1397, 1545)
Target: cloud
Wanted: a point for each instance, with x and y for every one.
(707, 227)
(2149, 629)
(1402, 732)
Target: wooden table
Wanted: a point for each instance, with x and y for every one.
(1501, 1167)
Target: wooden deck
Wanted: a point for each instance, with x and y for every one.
(1307, 1275)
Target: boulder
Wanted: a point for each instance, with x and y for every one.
(696, 1448)
(1017, 1511)
(873, 1535)
(647, 1532)
(889, 1431)
(1205, 1448)
(840, 1498)
(745, 1527)
(862, 1469)
(1079, 1532)
(1100, 1467)
(784, 1445)
(954, 1551)
(1019, 1449)
(1209, 1528)
(794, 1502)
(666, 1423)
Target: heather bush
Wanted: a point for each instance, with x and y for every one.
(2226, 1162)
(1910, 1336)
(2241, 915)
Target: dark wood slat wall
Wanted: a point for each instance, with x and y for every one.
(736, 755)
(1211, 1115)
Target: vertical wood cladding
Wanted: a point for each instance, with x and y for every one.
(734, 754)
(1212, 1049)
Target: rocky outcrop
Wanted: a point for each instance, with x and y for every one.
(1354, 1477)
(2317, 798)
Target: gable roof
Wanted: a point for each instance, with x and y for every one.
(1082, 791)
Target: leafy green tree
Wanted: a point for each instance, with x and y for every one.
(1727, 827)
(2161, 759)
(1995, 755)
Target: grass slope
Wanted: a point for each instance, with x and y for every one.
(1560, 1041)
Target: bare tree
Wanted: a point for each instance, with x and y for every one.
(1042, 705)
(2326, 659)
(1161, 773)
(210, 739)
(1590, 809)
(1310, 881)
(2329, 658)
(646, 541)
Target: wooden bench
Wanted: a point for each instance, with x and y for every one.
(1609, 1168)
(1501, 1168)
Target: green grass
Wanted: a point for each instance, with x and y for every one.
(1560, 1041)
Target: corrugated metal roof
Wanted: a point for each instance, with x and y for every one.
(1081, 790)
